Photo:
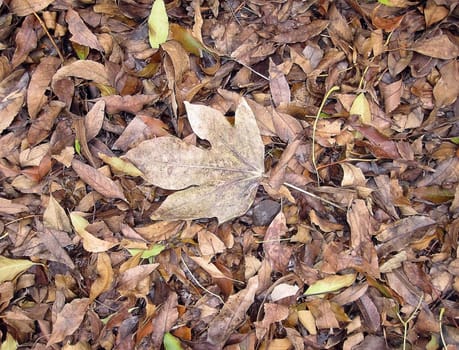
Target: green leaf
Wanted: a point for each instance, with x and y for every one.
(146, 254)
(171, 343)
(158, 24)
(455, 140)
(77, 147)
(10, 268)
(330, 284)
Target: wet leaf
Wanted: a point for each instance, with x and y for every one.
(224, 178)
(11, 268)
(158, 24)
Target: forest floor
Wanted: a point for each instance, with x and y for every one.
(308, 151)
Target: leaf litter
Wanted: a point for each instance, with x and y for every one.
(134, 140)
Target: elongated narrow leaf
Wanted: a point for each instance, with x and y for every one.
(158, 24)
(330, 284)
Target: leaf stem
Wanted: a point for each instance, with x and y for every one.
(314, 127)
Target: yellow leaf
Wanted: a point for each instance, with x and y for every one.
(105, 278)
(120, 165)
(10, 343)
(361, 107)
(10, 268)
(330, 284)
(158, 24)
(91, 243)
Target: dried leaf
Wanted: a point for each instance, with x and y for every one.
(273, 313)
(68, 320)
(27, 7)
(277, 253)
(120, 165)
(81, 34)
(439, 46)
(135, 280)
(12, 93)
(330, 284)
(94, 120)
(165, 319)
(232, 314)
(54, 241)
(278, 84)
(361, 107)
(224, 178)
(105, 276)
(55, 216)
(10, 268)
(446, 89)
(84, 69)
(9, 207)
(90, 243)
(97, 180)
(158, 24)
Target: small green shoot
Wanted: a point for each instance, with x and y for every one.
(77, 147)
(410, 318)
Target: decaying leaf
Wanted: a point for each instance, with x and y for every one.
(68, 320)
(223, 179)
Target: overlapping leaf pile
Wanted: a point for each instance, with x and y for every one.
(345, 141)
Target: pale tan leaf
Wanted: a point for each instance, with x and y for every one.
(120, 165)
(224, 178)
(273, 313)
(209, 267)
(91, 243)
(135, 280)
(94, 120)
(27, 7)
(209, 243)
(55, 216)
(105, 276)
(84, 69)
(361, 108)
(278, 253)
(97, 180)
(9, 207)
(68, 320)
(10, 268)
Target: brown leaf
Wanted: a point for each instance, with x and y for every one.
(12, 93)
(28, 7)
(446, 90)
(273, 313)
(97, 180)
(9, 207)
(302, 33)
(94, 120)
(165, 319)
(81, 34)
(446, 172)
(26, 40)
(278, 84)
(90, 242)
(391, 94)
(84, 69)
(105, 276)
(55, 216)
(438, 46)
(129, 103)
(135, 281)
(277, 253)
(232, 314)
(224, 178)
(39, 82)
(42, 126)
(54, 241)
(68, 320)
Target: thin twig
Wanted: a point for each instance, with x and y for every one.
(199, 284)
(314, 127)
(313, 195)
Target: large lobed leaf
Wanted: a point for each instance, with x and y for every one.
(218, 182)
